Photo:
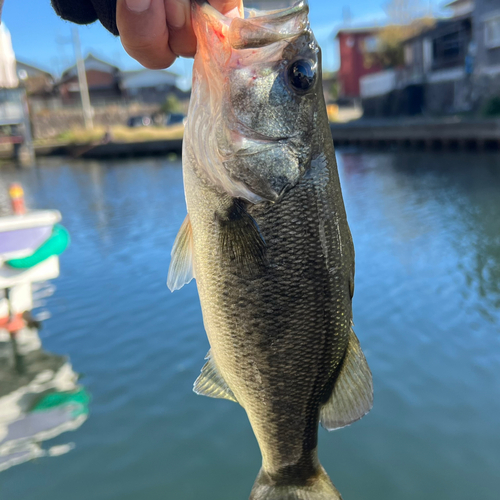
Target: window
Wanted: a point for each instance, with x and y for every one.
(492, 32)
(449, 50)
(371, 44)
(450, 43)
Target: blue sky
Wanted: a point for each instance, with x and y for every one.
(39, 37)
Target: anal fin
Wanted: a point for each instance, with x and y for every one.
(181, 266)
(211, 383)
(352, 396)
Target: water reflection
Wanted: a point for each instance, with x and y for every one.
(40, 398)
(420, 199)
(426, 231)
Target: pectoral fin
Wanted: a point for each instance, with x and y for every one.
(181, 266)
(211, 383)
(240, 238)
(352, 396)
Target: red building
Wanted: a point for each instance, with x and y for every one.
(354, 44)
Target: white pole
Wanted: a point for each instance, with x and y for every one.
(82, 81)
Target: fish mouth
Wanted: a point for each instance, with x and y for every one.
(248, 142)
(280, 15)
(252, 135)
(258, 28)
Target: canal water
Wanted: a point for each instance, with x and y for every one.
(427, 311)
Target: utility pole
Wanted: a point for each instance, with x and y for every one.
(346, 15)
(82, 81)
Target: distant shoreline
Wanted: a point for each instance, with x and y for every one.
(450, 133)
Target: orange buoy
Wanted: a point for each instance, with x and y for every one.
(16, 194)
(13, 323)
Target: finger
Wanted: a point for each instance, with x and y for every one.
(226, 6)
(182, 39)
(144, 33)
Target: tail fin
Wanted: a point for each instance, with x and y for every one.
(321, 488)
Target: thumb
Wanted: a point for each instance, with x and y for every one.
(144, 33)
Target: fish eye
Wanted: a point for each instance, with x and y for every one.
(302, 75)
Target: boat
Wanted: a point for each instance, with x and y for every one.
(30, 245)
(40, 397)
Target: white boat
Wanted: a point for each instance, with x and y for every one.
(40, 397)
(20, 237)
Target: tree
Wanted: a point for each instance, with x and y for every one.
(407, 18)
(404, 12)
(171, 105)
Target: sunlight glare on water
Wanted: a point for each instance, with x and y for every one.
(427, 310)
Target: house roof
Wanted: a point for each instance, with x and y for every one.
(456, 3)
(91, 63)
(31, 69)
(358, 29)
(438, 27)
(461, 8)
(25, 71)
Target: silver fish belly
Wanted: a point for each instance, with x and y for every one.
(268, 242)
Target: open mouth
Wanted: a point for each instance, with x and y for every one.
(245, 142)
(256, 29)
(243, 146)
(252, 135)
(277, 16)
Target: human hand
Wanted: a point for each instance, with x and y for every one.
(156, 32)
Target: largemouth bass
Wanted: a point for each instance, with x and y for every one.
(267, 239)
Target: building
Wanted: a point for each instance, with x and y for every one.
(437, 73)
(450, 68)
(461, 8)
(15, 128)
(103, 79)
(440, 58)
(354, 45)
(39, 85)
(109, 85)
(34, 79)
(486, 19)
(149, 86)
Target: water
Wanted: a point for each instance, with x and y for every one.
(427, 311)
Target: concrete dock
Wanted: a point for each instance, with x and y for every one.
(432, 133)
(123, 149)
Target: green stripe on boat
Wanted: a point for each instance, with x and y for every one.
(55, 245)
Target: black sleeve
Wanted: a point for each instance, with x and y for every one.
(88, 11)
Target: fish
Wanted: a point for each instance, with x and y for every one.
(267, 240)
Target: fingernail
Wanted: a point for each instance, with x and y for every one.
(176, 14)
(138, 5)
